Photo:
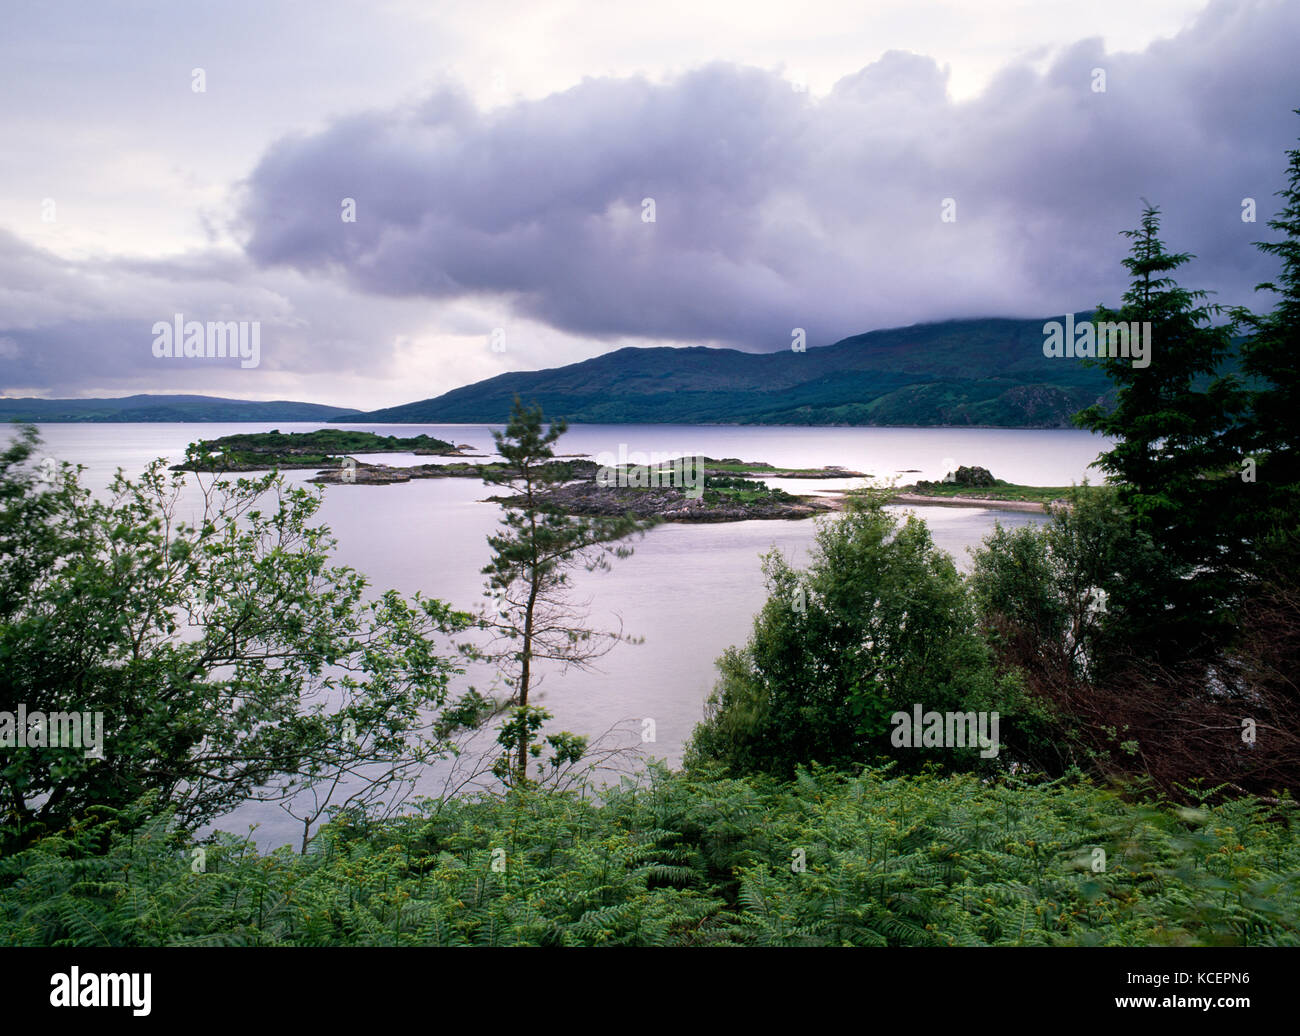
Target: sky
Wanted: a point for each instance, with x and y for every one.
(413, 195)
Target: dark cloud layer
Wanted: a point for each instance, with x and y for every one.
(777, 210)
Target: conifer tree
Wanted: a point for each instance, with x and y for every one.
(1270, 356)
(529, 577)
(1175, 460)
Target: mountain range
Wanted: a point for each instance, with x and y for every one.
(989, 371)
(163, 408)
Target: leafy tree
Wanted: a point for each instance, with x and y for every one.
(1056, 603)
(1175, 423)
(229, 660)
(878, 623)
(528, 577)
(1068, 590)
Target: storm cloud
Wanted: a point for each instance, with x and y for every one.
(775, 209)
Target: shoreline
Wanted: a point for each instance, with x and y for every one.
(836, 502)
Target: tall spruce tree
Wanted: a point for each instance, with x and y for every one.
(1176, 455)
(1270, 356)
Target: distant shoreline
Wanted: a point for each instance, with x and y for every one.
(6, 419)
(1031, 506)
(836, 502)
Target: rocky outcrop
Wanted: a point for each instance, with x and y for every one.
(972, 476)
(670, 504)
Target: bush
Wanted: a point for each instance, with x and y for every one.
(880, 622)
(1064, 606)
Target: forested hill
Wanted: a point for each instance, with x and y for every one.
(959, 372)
(164, 408)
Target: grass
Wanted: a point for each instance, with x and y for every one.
(756, 468)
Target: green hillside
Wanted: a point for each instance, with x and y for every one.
(959, 372)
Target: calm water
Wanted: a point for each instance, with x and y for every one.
(689, 590)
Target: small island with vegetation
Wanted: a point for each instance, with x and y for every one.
(975, 486)
(263, 451)
(759, 469)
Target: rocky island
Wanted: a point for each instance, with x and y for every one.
(723, 499)
(725, 496)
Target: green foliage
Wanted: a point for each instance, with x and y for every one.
(1271, 356)
(742, 490)
(1175, 421)
(826, 859)
(880, 622)
(1073, 585)
(230, 661)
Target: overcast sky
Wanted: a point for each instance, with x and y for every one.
(799, 157)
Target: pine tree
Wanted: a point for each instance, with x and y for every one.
(1175, 460)
(529, 577)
